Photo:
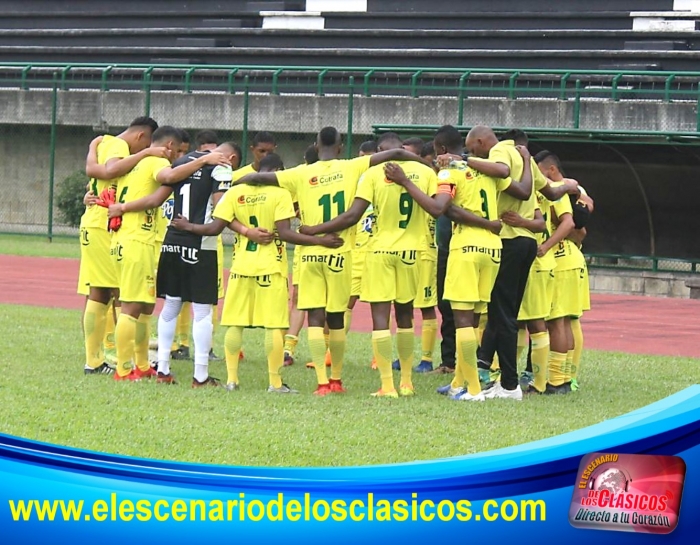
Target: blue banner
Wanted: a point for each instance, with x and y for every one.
(54, 494)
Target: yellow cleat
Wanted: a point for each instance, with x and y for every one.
(407, 391)
(393, 394)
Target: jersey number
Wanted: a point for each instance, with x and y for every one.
(185, 192)
(339, 201)
(406, 209)
(484, 204)
(546, 231)
(122, 195)
(252, 246)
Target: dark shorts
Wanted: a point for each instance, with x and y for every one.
(190, 274)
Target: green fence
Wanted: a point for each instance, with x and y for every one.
(53, 110)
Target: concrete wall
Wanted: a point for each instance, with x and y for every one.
(639, 283)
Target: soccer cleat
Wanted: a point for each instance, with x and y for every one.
(392, 394)
(406, 390)
(499, 392)
(288, 359)
(182, 353)
(448, 390)
(574, 385)
(557, 390)
(424, 366)
(484, 376)
(464, 395)
(531, 390)
(165, 379)
(102, 369)
(213, 356)
(111, 356)
(209, 381)
(323, 390)
(328, 358)
(396, 366)
(525, 379)
(336, 386)
(232, 387)
(442, 370)
(284, 389)
(131, 377)
(145, 374)
(373, 365)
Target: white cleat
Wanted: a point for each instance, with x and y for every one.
(464, 395)
(499, 392)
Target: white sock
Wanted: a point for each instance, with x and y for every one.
(202, 328)
(167, 324)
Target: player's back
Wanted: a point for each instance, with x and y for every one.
(138, 183)
(400, 223)
(258, 206)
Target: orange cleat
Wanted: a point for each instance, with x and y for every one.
(336, 386)
(145, 374)
(323, 390)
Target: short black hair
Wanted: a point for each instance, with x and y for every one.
(369, 146)
(389, 137)
(546, 155)
(271, 162)
(206, 137)
(328, 136)
(145, 121)
(428, 149)
(167, 132)
(449, 137)
(235, 147)
(185, 136)
(263, 137)
(414, 141)
(519, 136)
(311, 155)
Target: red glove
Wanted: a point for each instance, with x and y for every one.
(108, 197)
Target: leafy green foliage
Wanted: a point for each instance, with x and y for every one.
(69, 199)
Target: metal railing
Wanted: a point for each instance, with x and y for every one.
(643, 263)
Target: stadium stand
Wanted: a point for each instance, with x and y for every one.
(578, 34)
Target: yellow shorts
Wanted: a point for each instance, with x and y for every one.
(220, 264)
(96, 267)
(137, 279)
(358, 269)
(566, 297)
(295, 266)
(256, 301)
(471, 274)
(390, 276)
(156, 253)
(324, 281)
(537, 301)
(585, 290)
(426, 294)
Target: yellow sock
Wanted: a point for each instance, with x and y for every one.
(483, 318)
(557, 362)
(317, 347)
(110, 324)
(143, 334)
(327, 339)
(522, 343)
(290, 344)
(466, 358)
(405, 340)
(382, 348)
(569, 365)
(94, 326)
(348, 319)
(336, 345)
(232, 347)
(427, 339)
(274, 348)
(540, 357)
(578, 347)
(124, 336)
(184, 326)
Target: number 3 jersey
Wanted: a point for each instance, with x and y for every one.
(257, 206)
(193, 199)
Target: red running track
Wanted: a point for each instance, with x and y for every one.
(637, 325)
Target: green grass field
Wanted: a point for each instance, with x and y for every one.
(39, 246)
(46, 397)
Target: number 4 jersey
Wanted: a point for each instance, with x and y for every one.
(193, 199)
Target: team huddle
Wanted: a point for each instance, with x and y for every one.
(492, 239)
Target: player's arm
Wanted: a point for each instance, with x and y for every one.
(170, 175)
(286, 233)
(116, 166)
(215, 227)
(398, 154)
(435, 206)
(347, 219)
(258, 178)
(536, 225)
(523, 189)
(566, 225)
(490, 168)
(586, 199)
(155, 199)
(459, 215)
(259, 235)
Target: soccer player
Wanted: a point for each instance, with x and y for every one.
(414, 145)
(114, 157)
(475, 249)
(322, 191)
(263, 144)
(134, 250)
(257, 292)
(391, 269)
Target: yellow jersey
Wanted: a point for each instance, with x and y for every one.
(324, 190)
(477, 193)
(400, 223)
(238, 174)
(111, 147)
(365, 231)
(566, 254)
(546, 262)
(256, 206)
(139, 183)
